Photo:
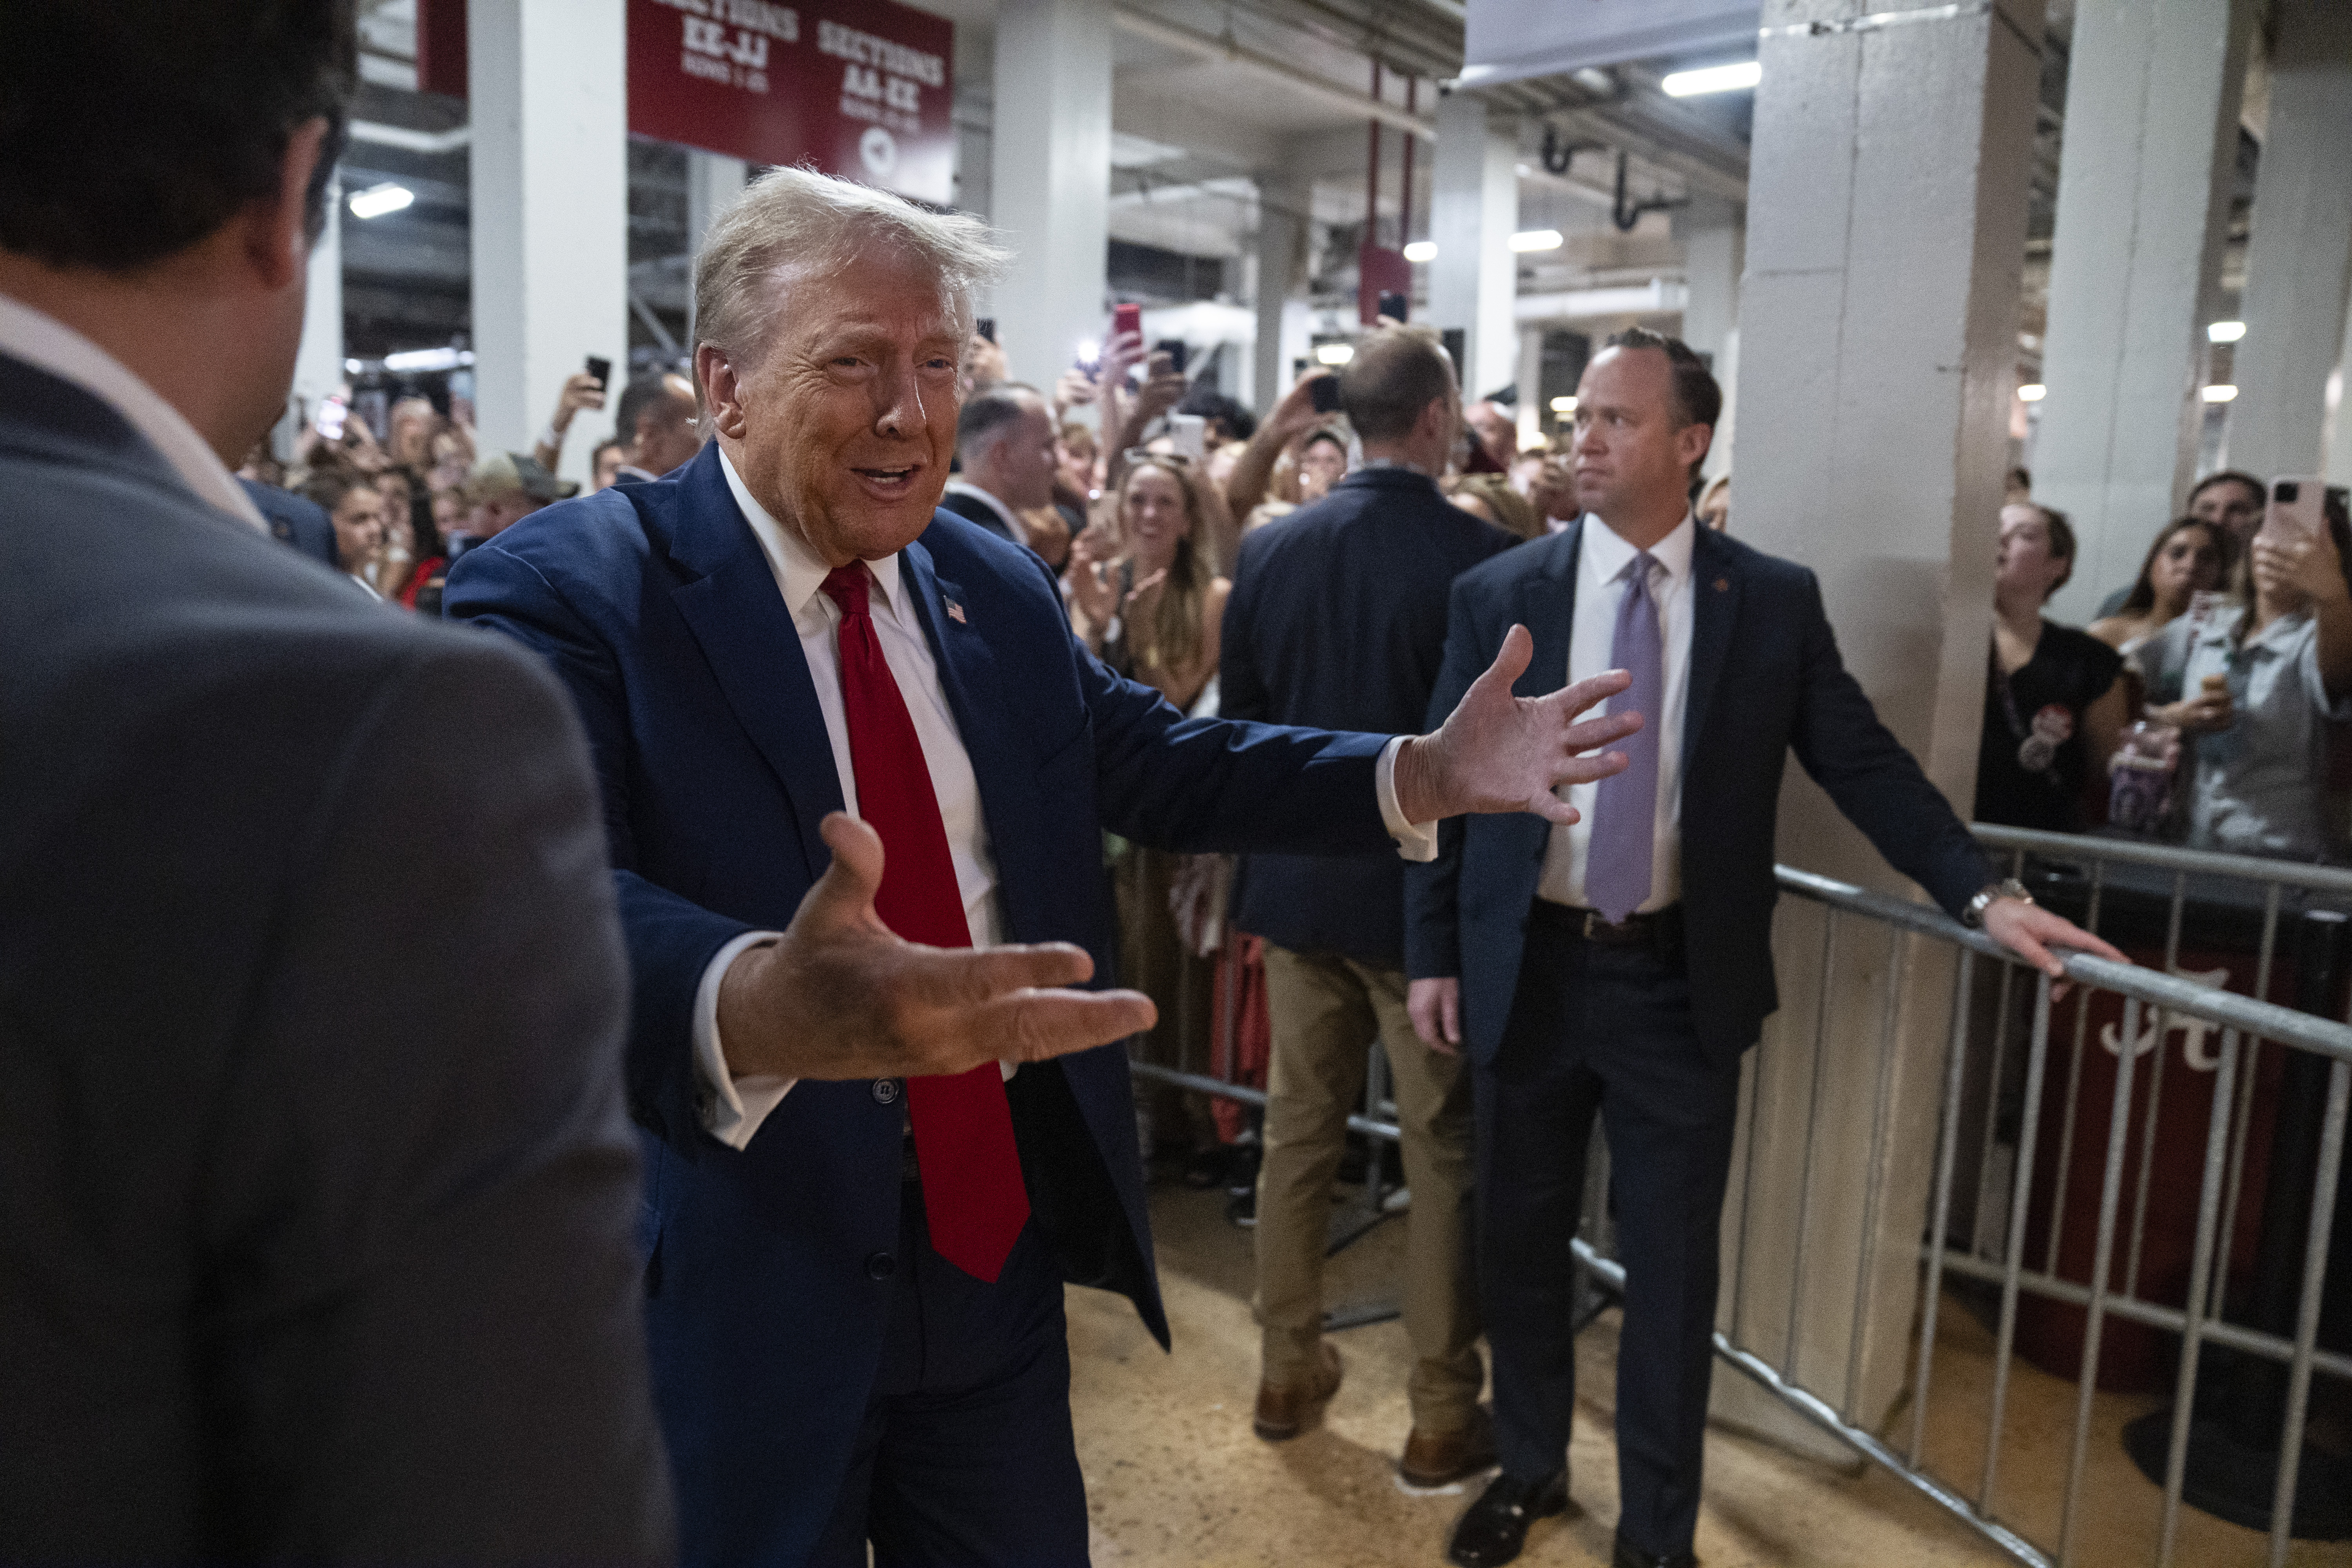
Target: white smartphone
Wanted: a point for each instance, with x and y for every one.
(1189, 433)
(2297, 509)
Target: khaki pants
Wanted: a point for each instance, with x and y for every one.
(1325, 1012)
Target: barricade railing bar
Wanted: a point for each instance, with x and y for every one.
(1988, 1251)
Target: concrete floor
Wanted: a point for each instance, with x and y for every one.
(1176, 1478)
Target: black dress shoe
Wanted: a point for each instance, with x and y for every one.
(1627, 1556)
(1494, 1529)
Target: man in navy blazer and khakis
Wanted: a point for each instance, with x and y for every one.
(1620, 965)
(1338, 617)
(855, 1279)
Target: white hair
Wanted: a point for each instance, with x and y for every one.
(801, 219)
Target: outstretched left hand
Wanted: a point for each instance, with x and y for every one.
(1497, 753)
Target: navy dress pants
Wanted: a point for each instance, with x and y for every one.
(1607, 1030)
(966, 1454)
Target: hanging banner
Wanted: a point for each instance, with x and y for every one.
(855, 88)
(1508, 41)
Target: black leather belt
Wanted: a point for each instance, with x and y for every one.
(1661, 930)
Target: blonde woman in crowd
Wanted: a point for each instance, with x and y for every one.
(1149, 602)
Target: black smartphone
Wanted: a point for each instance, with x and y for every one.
(602, 369)
(1325, 393)
(986, 328)
(1394, 305)
(1174, 349)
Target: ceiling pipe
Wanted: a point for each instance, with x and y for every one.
(1330, 94)
(407, 140)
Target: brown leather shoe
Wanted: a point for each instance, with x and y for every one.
(1283, 1411)
(1441, 1459)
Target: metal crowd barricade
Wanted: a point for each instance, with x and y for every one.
(2246, 1025)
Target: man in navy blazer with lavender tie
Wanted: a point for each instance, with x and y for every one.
(830, 1376)
(1619, 966)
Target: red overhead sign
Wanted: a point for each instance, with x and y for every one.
(855, 88)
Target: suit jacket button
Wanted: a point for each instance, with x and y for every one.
(885, 1091)
(880, 1266)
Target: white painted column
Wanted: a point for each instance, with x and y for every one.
(1529, 414)
(546, 83)
(1885, 242)
(2299, 257)
(1474, 208)
(713, 181)
(1284, 205)
(319, 362)
(2336, 435)
(1714, 233)
(2143, 203)
(1049, 181)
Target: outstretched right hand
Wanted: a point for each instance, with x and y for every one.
(840, 996)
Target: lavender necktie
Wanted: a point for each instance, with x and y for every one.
(1624, 814)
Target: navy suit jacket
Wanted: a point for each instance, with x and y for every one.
(297, 520)
(657, 607)
(977, 510)
(1337, 618)
(1765, 678)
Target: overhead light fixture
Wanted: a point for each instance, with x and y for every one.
(2225, 331)
(1421, 250)
(1713, 79)
(352, 367)
(2033, 392)
(1593, 78)
(424, 361)
(378, 200)
(1528, 239)
(1335, 354)
(1563, 405)
(2220, 393)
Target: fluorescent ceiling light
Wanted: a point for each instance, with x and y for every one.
(2033, 392)
(422, 360)
(2225, 331)
(1421, 250)
(2220, 393)
(1528, 239)
(378, 200)
(1714, 78)
(352, 367)
(1335, 354)
(1563, 405)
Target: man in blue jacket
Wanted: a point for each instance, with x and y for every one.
(854, 1283)
(1619, 966)
(1337, 618)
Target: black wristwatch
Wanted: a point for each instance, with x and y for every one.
(2006, 887)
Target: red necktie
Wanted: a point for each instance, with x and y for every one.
(972, 1193)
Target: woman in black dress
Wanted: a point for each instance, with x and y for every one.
(2054, 704)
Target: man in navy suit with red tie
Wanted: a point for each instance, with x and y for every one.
(855, 1281)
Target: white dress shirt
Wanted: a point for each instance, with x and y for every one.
(735, 1105)
(42, 341)
(1603, 575)
(1012, 525)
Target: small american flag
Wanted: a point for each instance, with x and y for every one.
(955, 612)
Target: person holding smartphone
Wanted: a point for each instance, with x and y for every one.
(2258, 682)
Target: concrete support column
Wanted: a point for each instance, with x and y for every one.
(1474, 208)
(319, 362)
(2336, 436)
(1714, 233)
(1284, 210)
(1049, 180)
(551, 203)
(713, 181)
(2299, 258)
(1886, 244)
(2143, 206)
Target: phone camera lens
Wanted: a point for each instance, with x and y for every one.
(2287, 491)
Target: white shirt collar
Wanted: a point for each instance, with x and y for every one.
(1606, 553)
(41, 340)
(964, 487)
(800, 573)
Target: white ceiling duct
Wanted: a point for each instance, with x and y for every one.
(1507, 40)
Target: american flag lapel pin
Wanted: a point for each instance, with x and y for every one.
(955, 612)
